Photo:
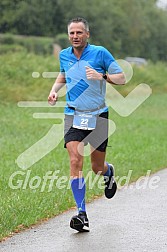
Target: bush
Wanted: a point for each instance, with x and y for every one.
(37, 45)
(6, 39)
(11, 48)
(62, 40)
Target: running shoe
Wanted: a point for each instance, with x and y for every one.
(80, 222)
(110, 184)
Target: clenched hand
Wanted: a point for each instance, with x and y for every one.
(92, 74)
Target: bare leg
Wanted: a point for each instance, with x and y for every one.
(76, 159)
(98, 162)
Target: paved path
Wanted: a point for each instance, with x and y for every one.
(134, 220)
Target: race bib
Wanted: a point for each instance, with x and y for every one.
(85, 121)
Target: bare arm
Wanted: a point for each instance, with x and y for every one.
(117, 79)
(59, 83)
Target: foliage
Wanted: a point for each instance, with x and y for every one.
(62, 40)
(37, 45)
(126, 27)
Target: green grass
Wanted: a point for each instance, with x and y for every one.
(16, 80)
(138, 144)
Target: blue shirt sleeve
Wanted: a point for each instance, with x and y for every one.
(62, 70)
(110, 64)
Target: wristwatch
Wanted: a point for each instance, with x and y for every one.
(105, 76)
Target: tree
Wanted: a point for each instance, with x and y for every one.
(126, 27)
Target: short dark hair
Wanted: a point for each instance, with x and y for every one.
(78, 20)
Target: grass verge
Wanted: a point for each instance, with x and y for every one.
(138, 144)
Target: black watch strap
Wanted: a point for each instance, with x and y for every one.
(105, 76)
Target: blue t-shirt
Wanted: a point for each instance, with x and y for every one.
(84, 94)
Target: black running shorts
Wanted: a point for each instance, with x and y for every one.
(97, 138)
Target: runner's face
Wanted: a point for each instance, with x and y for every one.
(78, 35)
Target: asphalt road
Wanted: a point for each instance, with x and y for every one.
(134, 220)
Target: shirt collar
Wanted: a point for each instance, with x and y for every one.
(85, 49)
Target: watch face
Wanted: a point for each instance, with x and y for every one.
(105, 76)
